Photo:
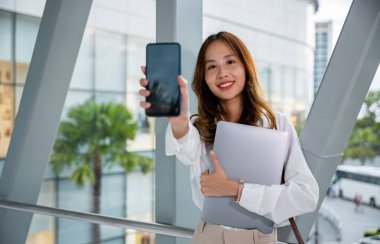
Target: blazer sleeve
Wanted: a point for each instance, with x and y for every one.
(297, 196)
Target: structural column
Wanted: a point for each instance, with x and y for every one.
(177, 21)
(55, 53)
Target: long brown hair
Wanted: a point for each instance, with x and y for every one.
(209, 109)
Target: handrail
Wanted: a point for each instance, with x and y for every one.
(163, 229)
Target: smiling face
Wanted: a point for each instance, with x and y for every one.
(224, 72)
(226, 86)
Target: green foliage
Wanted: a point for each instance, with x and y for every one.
(82, 173)
(96, 132)
(299, 126)
(364, 143)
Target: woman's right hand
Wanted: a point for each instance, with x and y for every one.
(180, 123)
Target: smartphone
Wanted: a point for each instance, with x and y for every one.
(163, 66)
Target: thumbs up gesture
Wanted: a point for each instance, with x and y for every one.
(217, 184)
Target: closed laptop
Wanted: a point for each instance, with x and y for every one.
(251, 153)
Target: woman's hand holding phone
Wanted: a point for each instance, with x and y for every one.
(180, 124)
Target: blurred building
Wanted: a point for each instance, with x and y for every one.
(280, 35)
(323, 50)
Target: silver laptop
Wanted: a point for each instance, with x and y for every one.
(254, 154)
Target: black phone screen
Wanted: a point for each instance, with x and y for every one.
(163, 66)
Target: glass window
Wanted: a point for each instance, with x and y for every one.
(5, 48)
(288, 81)
(113, 202)
(41, 230)
(6, 117)
(140, 202)
(70, 231)
(133, 104)
(300, 93)
(109, 61)
(7, 112)
(18, 94)
(43, 226)
(145, 135)
(135, 58)
(100, 74)
(68, 194)
(140, 199)
(74, 98)
(104, 97)
(83, 75)
(276, 85)
(265, 81)
(121, 4)
(288, 89)
(26, 35)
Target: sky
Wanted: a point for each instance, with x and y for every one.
(336, 10)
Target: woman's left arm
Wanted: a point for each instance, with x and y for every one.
(297, 196)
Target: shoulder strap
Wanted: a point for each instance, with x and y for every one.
(296, 232)
(292, 221)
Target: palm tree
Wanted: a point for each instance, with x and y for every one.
(93, 136)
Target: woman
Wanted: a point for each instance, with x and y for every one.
(226, 85)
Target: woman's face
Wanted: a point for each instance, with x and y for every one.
(224, 72)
